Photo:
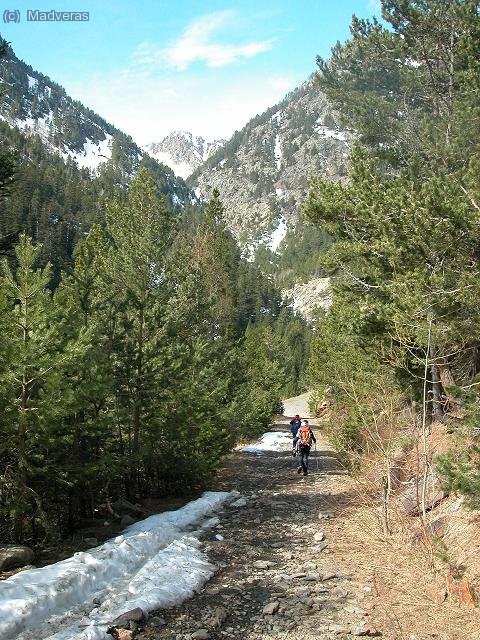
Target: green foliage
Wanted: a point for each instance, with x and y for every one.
(460, 471)
(405, 258)
(299, 257)
(43, 343)
(149, 360)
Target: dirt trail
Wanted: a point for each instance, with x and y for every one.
(305, 559)
(275, 554)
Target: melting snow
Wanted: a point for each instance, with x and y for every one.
(278, 152)
(182, 169)
(277, 116)
(32, 82)
(41, 126)
(278, 235)
(270, 441)
(326, 132)
(94, 153)
(153, 564)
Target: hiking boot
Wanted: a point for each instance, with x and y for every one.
(305, 473)
(299, 469)
(294, 453)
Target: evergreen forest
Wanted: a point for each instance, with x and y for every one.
(137, 345)
(404, 258)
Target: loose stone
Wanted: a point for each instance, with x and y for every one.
(271, 608)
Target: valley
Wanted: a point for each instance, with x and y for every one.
(238, 238)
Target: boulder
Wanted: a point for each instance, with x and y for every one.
(271, 608)
(462, 589)
(134, 615)
(13, 556)
(435, 493)
(126, 520)
(437, 528)
(218, 617)
(123, 506)
(91, 542)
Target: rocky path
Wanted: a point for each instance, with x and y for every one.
(278, 575)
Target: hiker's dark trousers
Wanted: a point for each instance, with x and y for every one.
(302, 457)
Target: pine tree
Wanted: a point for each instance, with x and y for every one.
(218, 255)
(42, 344)
(135, 279)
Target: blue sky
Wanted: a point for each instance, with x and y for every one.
(207, 66)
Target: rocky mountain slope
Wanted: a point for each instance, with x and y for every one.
(182, 151)
(36, 105)
(310, 297)
(263, 172)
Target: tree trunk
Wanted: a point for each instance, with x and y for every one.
(437, 404)
(448, 381)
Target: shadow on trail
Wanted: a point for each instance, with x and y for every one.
(281, 507)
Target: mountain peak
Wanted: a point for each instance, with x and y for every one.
(182, 151)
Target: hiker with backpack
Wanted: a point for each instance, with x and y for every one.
(295, 424)
(305, 437)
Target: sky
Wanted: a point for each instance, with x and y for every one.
(206, 66)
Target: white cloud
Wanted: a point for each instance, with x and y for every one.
(148, 98)
(195, 45)
(150, 106)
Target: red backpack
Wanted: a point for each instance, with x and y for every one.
(305, 436)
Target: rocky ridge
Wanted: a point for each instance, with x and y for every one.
(37, 106)
(263, 172)
(182, 151)
(307, 298)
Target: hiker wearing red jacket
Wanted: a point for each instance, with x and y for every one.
(305, 437)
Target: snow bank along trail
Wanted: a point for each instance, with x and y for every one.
(155, 563)
(270, 441)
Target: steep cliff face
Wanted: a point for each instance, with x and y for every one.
(38, 106)
(263, 172)
(182, 151)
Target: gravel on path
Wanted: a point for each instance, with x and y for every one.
(278, 575)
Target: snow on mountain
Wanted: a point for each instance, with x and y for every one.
(38, 106)
(263, 172)
(182, 151)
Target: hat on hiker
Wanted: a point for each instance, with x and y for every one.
(305, 422)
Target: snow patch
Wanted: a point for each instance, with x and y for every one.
(94, 153)
(40, 126)
(276, 117)
(278, 152)
(270, 441)
(153, 564)
(32, 83)
(327, 132)
(278, 235)
(182, 169)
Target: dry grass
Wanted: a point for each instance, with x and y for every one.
(407, 573)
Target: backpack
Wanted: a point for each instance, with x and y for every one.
(305, 436)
